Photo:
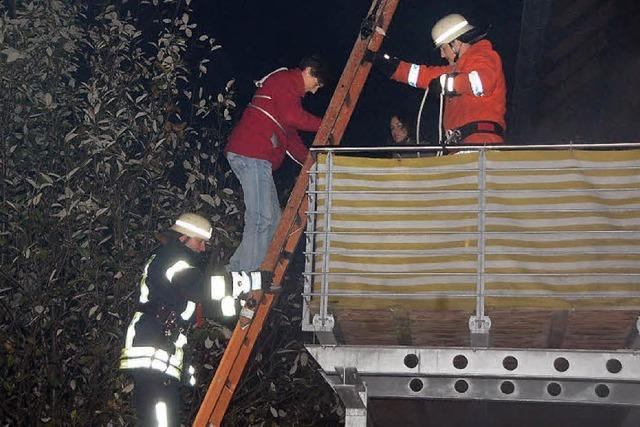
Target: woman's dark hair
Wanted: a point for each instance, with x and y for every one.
(407, 120)
(319, 68)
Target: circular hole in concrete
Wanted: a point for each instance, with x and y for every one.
(561, 364)
(602, 390)
(554, 389)
(510, 363)
(614, 366)
(460, 361)
(416, 385)
(461, 386)
(507, 387)
(411, 361)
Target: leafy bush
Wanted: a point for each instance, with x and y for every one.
(107, 133)
(96, 158)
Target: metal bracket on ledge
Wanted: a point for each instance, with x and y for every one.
(353, 393)
(479, 327)
(324, 329)
(323, 324)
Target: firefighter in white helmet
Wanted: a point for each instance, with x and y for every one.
(472, 84)
(173, 280)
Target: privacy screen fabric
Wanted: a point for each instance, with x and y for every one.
(539, 229)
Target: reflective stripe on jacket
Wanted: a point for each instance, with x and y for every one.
(480, 83)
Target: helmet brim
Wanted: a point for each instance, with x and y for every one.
(471, 36)
(475, 35)
(192, 230)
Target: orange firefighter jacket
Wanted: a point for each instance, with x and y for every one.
(480, 87)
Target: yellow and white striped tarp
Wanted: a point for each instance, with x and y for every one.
(552, 229)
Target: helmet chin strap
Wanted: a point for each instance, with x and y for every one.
(457, 52)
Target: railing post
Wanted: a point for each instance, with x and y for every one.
(310, 245)
(479, 324)
(324, 322)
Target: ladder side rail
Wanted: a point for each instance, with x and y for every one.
(241, 351)
(331, 131)
(292, 223)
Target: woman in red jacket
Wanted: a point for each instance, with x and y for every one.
(266, 132)
(473, 83)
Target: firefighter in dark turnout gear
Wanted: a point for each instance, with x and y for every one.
(172, 281)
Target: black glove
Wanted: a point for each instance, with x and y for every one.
(382, 62)
(266, 279)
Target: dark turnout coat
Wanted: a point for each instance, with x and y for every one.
(171, 283)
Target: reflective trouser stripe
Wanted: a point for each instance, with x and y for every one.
(161, 414)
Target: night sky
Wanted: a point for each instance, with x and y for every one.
(259, 36)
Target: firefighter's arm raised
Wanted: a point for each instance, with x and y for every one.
(415, 75)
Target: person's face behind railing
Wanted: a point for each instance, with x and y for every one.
(399, 132)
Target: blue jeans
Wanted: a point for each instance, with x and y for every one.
(262, 211)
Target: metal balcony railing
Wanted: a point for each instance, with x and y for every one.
(510, 226)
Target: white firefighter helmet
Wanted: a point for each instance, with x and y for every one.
(449, 28)
(193, 225)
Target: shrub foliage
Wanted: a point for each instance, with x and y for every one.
(107, 132)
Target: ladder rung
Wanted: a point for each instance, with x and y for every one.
(291, 226)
